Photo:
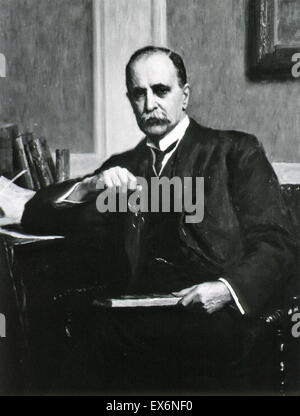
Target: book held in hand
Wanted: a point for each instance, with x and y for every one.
(139, 301)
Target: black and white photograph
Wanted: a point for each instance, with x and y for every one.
(149, 200)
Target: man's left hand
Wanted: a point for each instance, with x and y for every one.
(213, 296)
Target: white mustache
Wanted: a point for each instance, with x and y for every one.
(154, 118)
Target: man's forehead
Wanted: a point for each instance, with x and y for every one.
(153, 69)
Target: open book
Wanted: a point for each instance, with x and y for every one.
(138, 301)
(12, 200)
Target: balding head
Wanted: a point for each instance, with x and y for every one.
(151, 50)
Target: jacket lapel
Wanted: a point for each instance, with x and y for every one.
(194, 151)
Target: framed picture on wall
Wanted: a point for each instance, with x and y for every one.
(274, 37)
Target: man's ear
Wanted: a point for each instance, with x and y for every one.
(128, 95)
(186, 96)
(131, 102)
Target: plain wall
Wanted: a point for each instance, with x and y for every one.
(48, 90)
(211, 36)
(49, 85)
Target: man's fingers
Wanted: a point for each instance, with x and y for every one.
(213, 306)
(128, 180)
(132, 181)
(107, 180)
(190, 296)
(189, 299)
(116, 178)
(130, 175)
(124, 178)
(122, 173)
(183, 292)
(119, 178)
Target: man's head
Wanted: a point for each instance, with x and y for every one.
(158, 90)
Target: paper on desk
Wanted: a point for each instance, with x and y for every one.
(13, 199)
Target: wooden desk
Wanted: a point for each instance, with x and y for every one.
(15, 349)
(39, 279)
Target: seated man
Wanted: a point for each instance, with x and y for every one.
(227, 268)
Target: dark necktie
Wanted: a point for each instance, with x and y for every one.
(160, 155)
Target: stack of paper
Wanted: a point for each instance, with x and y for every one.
(12, 200)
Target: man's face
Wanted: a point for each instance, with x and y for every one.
(155, 95)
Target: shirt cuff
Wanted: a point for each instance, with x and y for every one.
(234, 295)
(65, 196)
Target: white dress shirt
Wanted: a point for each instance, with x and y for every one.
(176, 134)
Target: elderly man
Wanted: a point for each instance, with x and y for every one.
(228, 267)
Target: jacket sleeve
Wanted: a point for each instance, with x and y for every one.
(44, 215)
(268, 240)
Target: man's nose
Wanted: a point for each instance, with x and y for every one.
(150, 103)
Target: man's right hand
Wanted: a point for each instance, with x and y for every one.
(114, 178)
(118, 178)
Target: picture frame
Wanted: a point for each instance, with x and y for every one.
(274, 38)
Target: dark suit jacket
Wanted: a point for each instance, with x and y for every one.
(245, 236)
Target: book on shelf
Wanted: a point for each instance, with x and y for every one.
(41, 164)
(48, 156)
(62, 165)
(32, 167)
(33, 155)
(8, 133)
(21, 162)
(138, 301)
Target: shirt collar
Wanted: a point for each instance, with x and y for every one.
(176, 134)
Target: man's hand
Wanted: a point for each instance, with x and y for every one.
(116, 178)
(213, 296)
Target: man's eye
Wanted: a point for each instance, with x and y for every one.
(161, 91)
(137, 94)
